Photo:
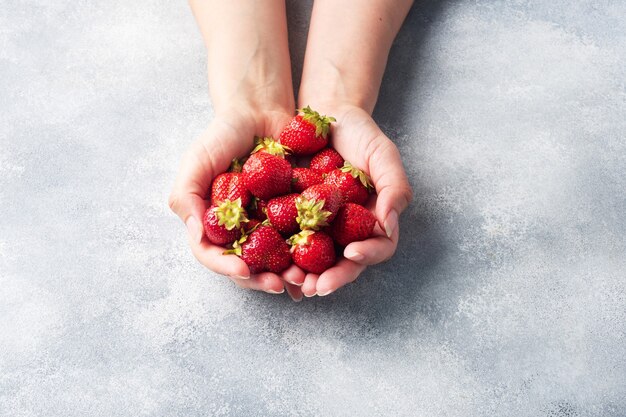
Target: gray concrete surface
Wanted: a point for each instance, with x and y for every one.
(507, 296)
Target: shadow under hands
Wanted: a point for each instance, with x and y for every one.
(399, 91)
(387, 295)
(298, 19)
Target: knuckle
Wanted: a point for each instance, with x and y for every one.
(383, 152)
(376, 147)
(407, 193)
(174, 202)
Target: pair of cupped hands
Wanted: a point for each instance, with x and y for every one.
(354, 135)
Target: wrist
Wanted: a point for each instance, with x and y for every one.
(337, 92)
(258, 77)
(335, 107)
(253, 106)
(266, 119)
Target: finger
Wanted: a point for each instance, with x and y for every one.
(272, 283)
(213, 258)
(344, 272)
(309, 288)
(265, 281)
(374, 250)
(392, 186)
(294, 275)
(294, 292)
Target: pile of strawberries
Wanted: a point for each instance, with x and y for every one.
(271, 212)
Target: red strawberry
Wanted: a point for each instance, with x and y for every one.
(282, 213)
(317, 206)
(353, 183)
(307, 133)
(303, 178)
(312, 251)
(271, 146)
(267, 175)
(257, 208)
(222, 223)
(326, 160)
(263, 250)
(229, 186)
(352, 224)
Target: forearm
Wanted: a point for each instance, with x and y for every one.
(347, 50)
(248, 53)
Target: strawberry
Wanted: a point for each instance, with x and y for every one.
(353, 223)
(313, 251)
(222, 223)
(303, 178)
(307, 133)
(267, 175)
(353, 183)
(326, 160)
(282, 213)
(317, 206)
(257, 209)
(229, 186)
(264, 249)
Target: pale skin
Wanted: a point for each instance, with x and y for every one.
(251, 91)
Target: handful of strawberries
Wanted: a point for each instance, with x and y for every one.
(272, 213)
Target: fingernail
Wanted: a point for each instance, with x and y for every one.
(194, 230)
(308, 296)
(391, 223)
(241, 277)
(275, 292)
(295, 283)
(353, 255)
(324, 293)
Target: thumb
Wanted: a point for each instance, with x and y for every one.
(190, 208)
(392, 186)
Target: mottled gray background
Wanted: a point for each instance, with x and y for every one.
(507, 296)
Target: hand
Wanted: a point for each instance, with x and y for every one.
(230, 135)
(359, 140)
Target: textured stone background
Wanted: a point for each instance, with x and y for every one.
(506, 298)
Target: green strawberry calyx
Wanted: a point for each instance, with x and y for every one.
(271, 146)
(230, 214)
(357, 173)
(311, 214)
(300, 239)
(236, 250)
(321, 123)
(236, 165)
